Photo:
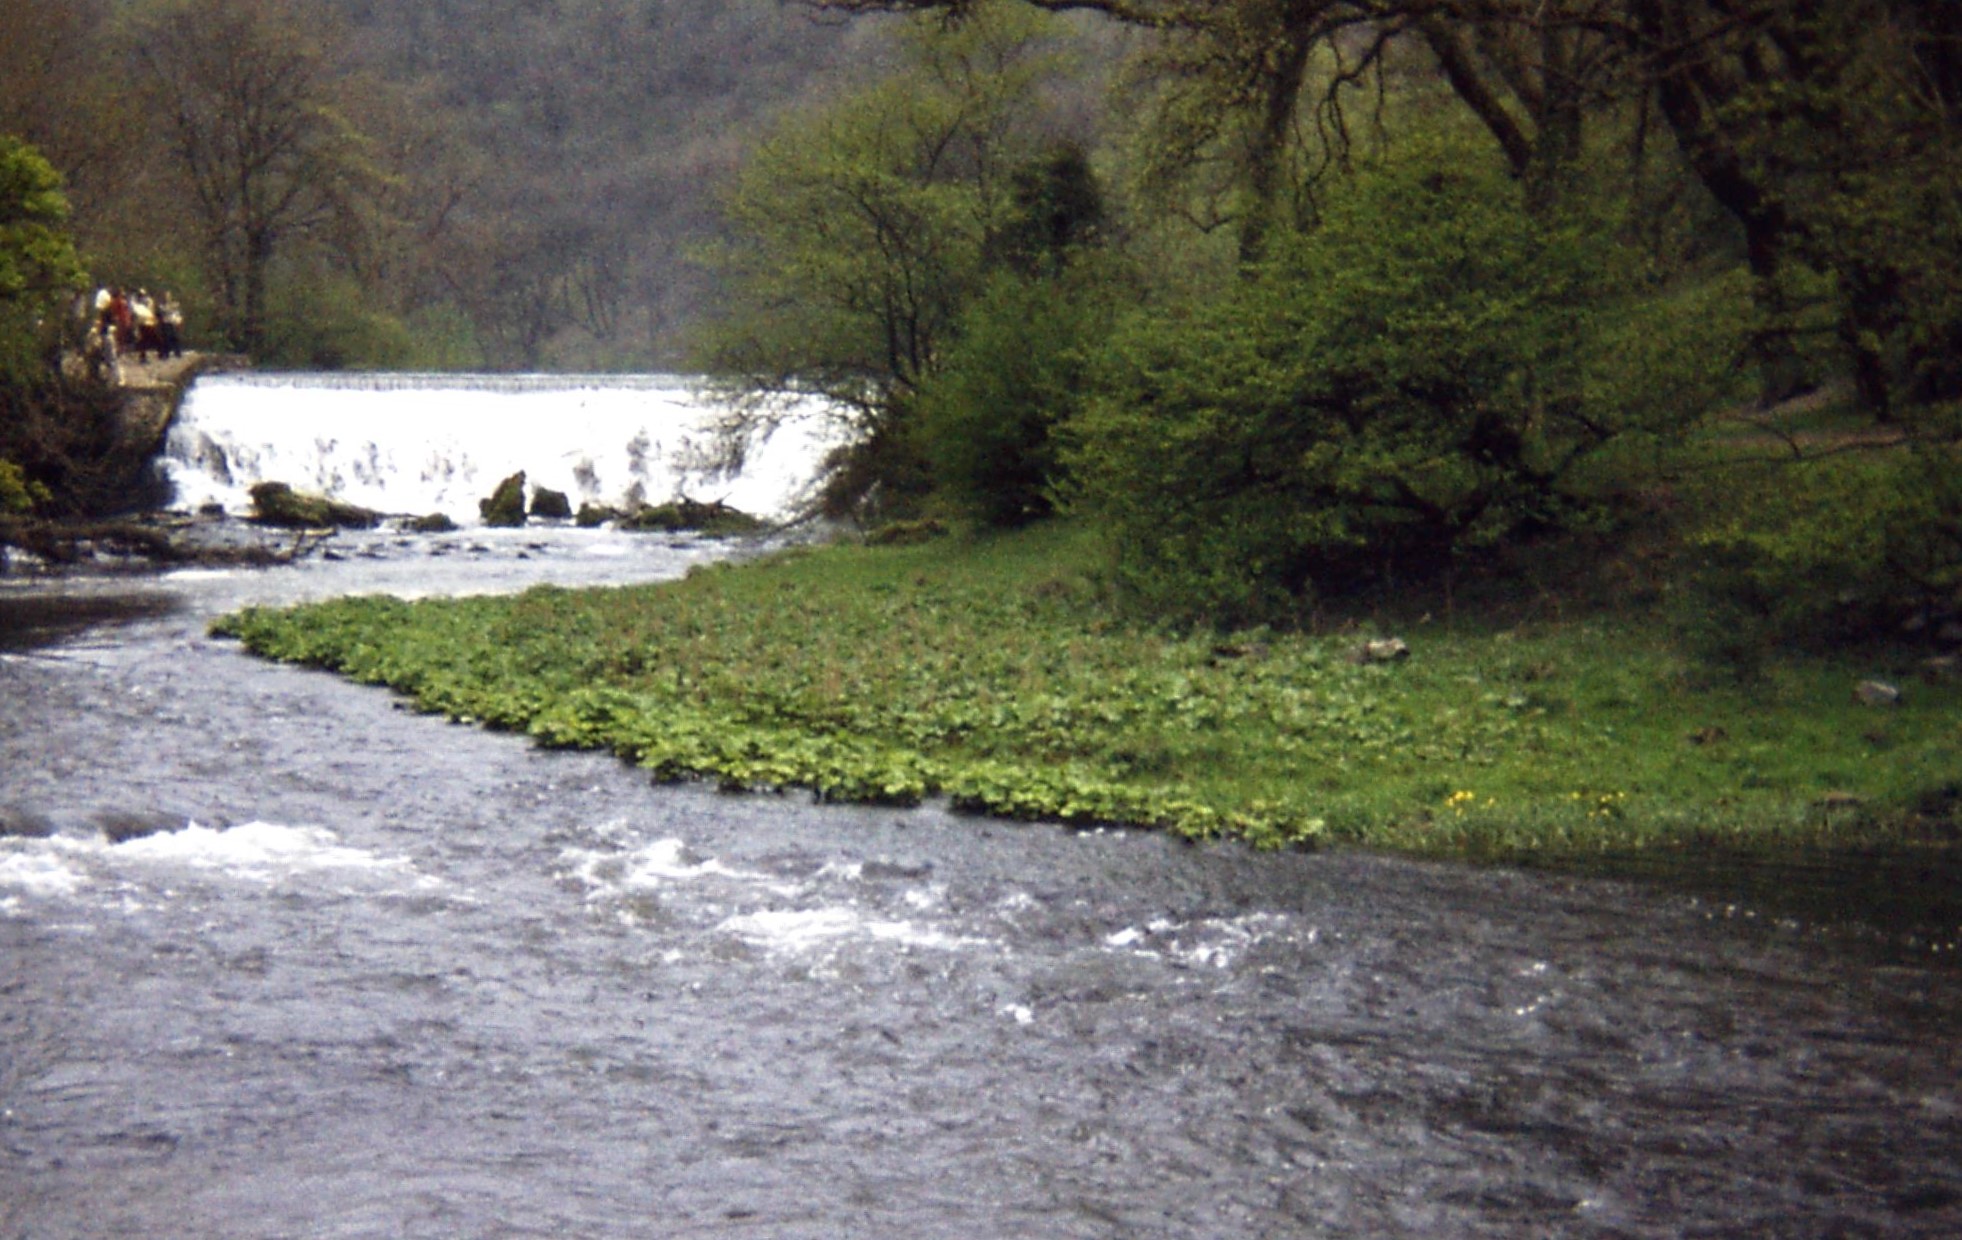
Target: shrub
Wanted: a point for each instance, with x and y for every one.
(17, 494)
(1413, 380)
(325, 322)
(1827, 551)
(987, 420)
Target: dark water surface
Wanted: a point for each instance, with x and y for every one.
(279, 959)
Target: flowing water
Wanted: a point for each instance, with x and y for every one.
(428, 443)
(278, 958)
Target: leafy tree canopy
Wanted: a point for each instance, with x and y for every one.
(1415, 378)
(860, 233)
(38, 266)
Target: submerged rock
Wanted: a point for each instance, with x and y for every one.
(506, 505)
(121, 825)
(16, 820)
(275, 503)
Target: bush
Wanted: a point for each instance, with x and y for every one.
(39, 270)
(1829, 551)
(325, 323)
(1412, 381)
(987, 420)
(17, 494)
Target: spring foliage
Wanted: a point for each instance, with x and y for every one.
(38, 267)
(1413, 380)
(988, 672)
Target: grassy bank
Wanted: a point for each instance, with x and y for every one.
(990, 672)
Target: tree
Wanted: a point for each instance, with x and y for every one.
(1415, 379)
(858, 236)
(1018, 369)
(248, 99)
(53, 59)
(39, 271)
(1256, 95)
(1832, 132)
(39, 279)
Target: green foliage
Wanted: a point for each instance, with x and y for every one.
(326, 322)
(17, 494)
(1055, 214)
(38, 266)
(1819, 552)
(1413, 380)
(858, 236)
(988, 419)
(987, 672)
(1829, 131)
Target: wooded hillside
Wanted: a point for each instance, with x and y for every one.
(505, 183)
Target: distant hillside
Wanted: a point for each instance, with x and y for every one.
(604, 128)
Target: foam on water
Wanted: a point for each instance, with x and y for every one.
(795, 930)
(440, 443)
(663, 861)
(257, 850)
(38, 869)
(1208, 942)
(764, 910)
(261, 853)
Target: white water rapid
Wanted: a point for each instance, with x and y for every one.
(428, 443)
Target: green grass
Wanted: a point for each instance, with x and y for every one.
(990, 671)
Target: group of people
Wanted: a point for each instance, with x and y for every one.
(139, 323)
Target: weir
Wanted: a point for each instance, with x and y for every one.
(428, 443)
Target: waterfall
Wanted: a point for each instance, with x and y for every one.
(427, 443)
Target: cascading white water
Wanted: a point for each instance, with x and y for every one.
(428, 443)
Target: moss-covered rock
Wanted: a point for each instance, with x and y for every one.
(715, 519)
(591, 515)
(905, 533)
(434, 523)
(506, 505)
(550, 504)
(275, 503)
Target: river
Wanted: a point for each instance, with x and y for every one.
(278, 958)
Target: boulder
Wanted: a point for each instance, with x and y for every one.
(1380, 650)
(26, 823)
(434, 523)
(550, 504)
(1876, 693)
(506, 505)
(715, 519)
(591, 515)
(275, 503)
(904, 533)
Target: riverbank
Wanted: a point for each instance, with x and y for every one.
(424, 966)
(152, 390)
(990, 672)
(99, 448)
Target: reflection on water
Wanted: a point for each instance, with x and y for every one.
(35, 617)
(1904, 903)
